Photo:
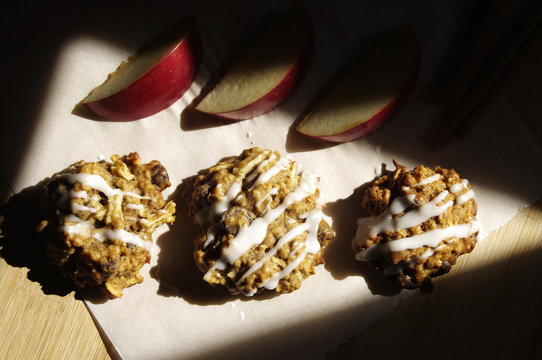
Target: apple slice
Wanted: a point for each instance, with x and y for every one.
(151, 80)
(267, 72)
(367, 97)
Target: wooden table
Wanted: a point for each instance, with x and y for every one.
(487, 307)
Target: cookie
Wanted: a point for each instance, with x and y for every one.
(420, 222)
(100, 217)
(262, 223)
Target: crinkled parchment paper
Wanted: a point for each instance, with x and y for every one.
(173, 314)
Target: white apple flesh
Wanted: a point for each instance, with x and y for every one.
(267, 72)
(151, 80)
(370, 94)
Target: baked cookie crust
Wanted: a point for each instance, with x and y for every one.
(420, 222)
(262, 223)
(100, 217)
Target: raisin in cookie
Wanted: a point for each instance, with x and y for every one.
(100, 217)
(420, 222)
(263, 226)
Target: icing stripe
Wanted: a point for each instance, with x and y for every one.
(428, 180)
(429, 238)
(273, 191)
(312, 246)
(255, 232)
(76, 207)
(73, 225)
(207, 214)
(104, 234)
(455, 188)
(98, 183)
(463, 198)
(281, 164)
(372, 226)
(401, 266)
(388, 221)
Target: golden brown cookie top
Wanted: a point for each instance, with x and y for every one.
(262, 223)
(101, 216)
(413, 216)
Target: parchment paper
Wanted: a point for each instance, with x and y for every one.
(173, 314)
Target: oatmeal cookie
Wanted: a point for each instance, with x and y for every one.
(262, 222)
(420, 222)
(100, 217)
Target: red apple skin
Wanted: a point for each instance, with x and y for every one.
(157, 89)
(380, 119)
(283, 89)
(277, 95)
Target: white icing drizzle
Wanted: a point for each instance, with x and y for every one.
(425, 181)
(72, 218)
(312, 246)
(273, 281)
(463, 198)
(81, 227)
(401, 266)
(137, 207)
(250, 177)
(98, 183)
(104, 234)
(388, 222)
(428, 180)
(211, 234)
(76, 207)
(220, 206)
(429, 238)
(455, 188)
(255, 233)
(205, 215)
(273, 191)
(281, 164)
(78, 194)
(74, 225)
